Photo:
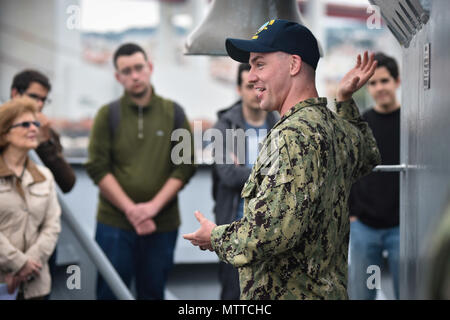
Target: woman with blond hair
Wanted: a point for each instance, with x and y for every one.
(29, 209)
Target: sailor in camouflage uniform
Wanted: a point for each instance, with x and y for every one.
(292, 242)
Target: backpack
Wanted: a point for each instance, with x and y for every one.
(114, 116)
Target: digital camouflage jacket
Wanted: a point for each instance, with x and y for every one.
(292, 242)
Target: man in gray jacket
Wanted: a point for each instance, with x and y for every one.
(249, 124)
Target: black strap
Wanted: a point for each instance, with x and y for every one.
(23, 170)
(114, 116)
(178, 116)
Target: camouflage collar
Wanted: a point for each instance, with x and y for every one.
(318, 101)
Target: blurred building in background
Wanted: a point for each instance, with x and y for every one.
(72, 41)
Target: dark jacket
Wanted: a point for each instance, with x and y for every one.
(51, 155)
(228, 179)
(375, 198)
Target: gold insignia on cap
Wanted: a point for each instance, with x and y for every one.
(263, 27)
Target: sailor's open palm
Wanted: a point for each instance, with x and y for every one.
(356, 77)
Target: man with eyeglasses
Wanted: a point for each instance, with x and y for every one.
(35, 85)
(130, 161)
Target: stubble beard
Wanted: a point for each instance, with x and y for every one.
(139, 95)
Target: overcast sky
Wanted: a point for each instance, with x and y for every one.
(117, 15)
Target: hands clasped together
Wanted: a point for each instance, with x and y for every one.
(141, 217)
(30, 270)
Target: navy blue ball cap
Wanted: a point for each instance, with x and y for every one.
(277, 35)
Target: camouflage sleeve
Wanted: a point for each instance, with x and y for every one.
(368, 149)
(439, 259)
(277, 208)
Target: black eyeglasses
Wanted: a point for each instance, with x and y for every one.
(26, 124)
(39, 98)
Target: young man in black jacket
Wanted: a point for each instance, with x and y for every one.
(243, 120)
(374, 200)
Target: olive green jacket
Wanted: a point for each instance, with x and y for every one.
(139, 157)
